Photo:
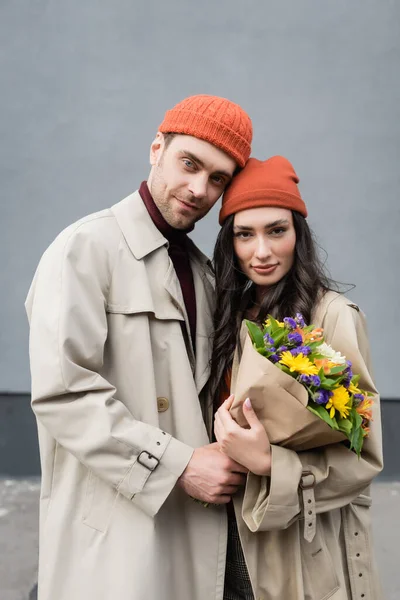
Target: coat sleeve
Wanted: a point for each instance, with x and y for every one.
(340, 476)
(68, 330)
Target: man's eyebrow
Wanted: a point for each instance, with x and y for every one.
(197, 160)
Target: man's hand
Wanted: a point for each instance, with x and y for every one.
(249, 446)
(212, 477)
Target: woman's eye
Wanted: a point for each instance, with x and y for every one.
(242, 235)
(278, 231)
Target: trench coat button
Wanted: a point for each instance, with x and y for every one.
(162, 404)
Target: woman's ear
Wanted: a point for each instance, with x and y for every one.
(156, 149)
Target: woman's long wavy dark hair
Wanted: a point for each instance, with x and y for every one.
(297, 292)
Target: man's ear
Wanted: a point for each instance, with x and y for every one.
(156, 148)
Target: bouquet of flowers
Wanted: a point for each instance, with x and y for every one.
(303, 391)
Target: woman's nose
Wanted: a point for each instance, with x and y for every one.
(263, 249)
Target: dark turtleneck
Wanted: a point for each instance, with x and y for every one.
(179, 254)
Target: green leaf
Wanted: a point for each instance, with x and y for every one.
(338, 369)
(346, 426)
(279, 336)
(322, 413)
(328, 383)
(357, 436)
(256, 334)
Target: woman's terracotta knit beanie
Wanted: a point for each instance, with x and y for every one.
(271, 182)
(215, 120)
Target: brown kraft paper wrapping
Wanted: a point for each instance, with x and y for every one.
(280, 403)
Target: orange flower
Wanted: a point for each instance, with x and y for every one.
(315, 335)
(323, 363)
(365, 408)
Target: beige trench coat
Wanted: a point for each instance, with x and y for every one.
(115, 389)
(306, 531)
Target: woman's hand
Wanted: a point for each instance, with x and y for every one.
(249, 447)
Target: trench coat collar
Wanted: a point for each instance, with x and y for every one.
(139, 231)
(144, 237)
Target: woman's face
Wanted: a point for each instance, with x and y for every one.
(264, 241)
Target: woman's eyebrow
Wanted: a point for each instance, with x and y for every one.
(242, 228)
(267, 226)
(277, 222)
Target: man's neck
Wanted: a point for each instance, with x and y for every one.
(169, 232)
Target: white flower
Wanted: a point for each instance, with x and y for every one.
(330, 353)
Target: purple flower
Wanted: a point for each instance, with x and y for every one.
(359, 397)
(315, 380)
(290, 323)
(300, 320)
(282, 349)
(268, 339)
(274, 358)
(306, 350)
(322, 396)
(306, 379)
(295, 338)
(349, 364)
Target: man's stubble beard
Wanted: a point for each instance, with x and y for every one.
(157, 190)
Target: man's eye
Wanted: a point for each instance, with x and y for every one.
(188, 163)
(218, 180)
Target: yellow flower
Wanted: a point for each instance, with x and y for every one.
(268, 323)
(353, 389)
(300, 363)
(339, 401)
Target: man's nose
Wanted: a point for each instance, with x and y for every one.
(198, 185)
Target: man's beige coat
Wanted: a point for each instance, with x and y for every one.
(115, 389)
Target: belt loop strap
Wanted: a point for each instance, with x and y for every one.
(307, 484)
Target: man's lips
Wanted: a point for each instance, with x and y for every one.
(264, 269)
(187, 205)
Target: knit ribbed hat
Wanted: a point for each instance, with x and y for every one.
(271, 182)
(215, 120)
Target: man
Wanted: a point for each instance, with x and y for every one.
(121, 317)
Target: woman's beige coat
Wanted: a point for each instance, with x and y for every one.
(306, 531)
(115, 389)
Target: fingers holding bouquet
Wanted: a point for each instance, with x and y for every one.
(248, 446)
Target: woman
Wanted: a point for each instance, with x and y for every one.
(301, 528)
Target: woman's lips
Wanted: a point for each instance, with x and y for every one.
(265, 270)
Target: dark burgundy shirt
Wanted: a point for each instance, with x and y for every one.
(179, 254)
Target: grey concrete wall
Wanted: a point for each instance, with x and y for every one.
(85, 84)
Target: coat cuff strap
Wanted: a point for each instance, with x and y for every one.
(307, 484)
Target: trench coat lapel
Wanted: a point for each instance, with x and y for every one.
(143, 238)
(205, 305)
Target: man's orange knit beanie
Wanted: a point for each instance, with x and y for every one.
(271, 182)
(215, 120)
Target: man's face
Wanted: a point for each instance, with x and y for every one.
(187, 178)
